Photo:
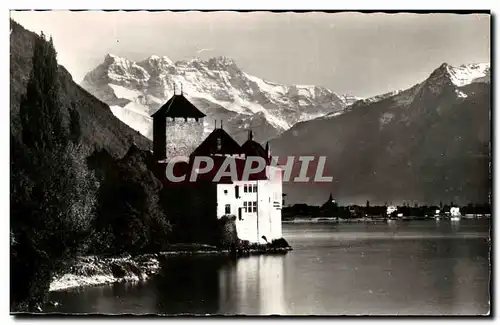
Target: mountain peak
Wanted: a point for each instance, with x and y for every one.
(110, 57)
(469, 73)
(459, 76)
(216, 85)
(162, 59)
(409, 136)
(223, 60)
(440, 71)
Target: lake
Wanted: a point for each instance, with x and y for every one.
(407, 268)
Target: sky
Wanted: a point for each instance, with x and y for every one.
(350, 53)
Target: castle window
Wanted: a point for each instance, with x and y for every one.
(237, 192)
(228, 209)
(255, 188)
(250, 189)
(219, 144)
(245, 188)
(250, 207)
(225, 191)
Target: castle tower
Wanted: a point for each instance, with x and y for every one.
(177, 128)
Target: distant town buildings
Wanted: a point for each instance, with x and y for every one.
(391, 209)
(331, 210)
(455, 211)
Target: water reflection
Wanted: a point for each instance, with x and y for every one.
(253, 285)
(189, 285)
(404, 268)
(222, 285)
(119, 298)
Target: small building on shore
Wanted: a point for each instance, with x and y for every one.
(329, 209)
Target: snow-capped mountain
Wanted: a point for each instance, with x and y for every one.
(467, 73)
(349, 99)
(428, 142)
(444, 77)
(218, 87)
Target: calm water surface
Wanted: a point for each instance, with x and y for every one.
(414, 267)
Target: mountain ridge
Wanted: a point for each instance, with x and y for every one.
(423, 143)
(99, 128)
(217, 85)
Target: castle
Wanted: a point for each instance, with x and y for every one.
(254, 203)
(177, 128)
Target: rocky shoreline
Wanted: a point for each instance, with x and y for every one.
(98, 270)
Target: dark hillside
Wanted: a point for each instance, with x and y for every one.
(98, 127)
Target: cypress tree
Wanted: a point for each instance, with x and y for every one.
(55, 192)
(40, 109)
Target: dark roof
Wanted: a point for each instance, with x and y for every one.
(209, 146)
(181, 169)
(178, 106)
(240, 167)
(252, 149)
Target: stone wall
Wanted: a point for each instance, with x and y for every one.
(183, 136)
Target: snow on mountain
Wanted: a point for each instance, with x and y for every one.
(125, 71)
(126, 93)
(444, 76)
(130, 114)
(466, 74)
(217, 85)
(469, 73)
(350, 99)
(378, 98)
(425, 142)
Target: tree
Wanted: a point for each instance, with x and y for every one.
(42, 127)
(52, 190)
(129, 217)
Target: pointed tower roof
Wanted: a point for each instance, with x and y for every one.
(218, 142)
(178, 106)
(252, 148)
(329, 203)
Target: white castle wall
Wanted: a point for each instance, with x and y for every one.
(253, 225)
